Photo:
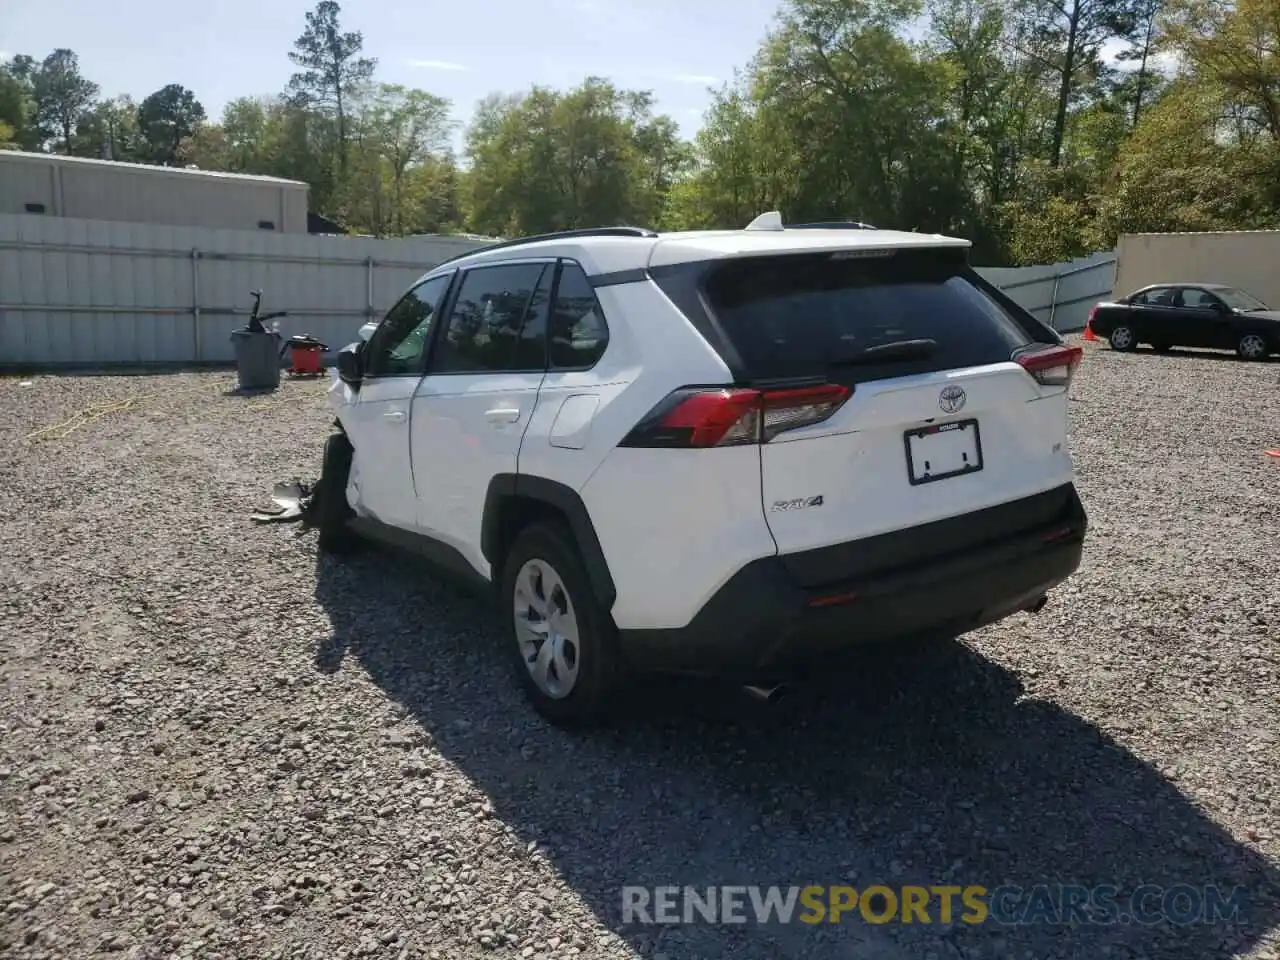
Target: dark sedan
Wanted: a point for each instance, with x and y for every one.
(1208, 315)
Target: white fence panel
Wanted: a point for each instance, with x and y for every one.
(1060, 294)
(82, 293)
(85, 293)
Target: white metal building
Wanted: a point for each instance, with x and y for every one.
(57, 186)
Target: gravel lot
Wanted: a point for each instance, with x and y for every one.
(215, 746)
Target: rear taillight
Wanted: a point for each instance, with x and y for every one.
(707, 417)
(1051, 366)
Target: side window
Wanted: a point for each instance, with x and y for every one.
(577, 332)
(1200, 299)
(531, 346)
(397, 347)
(1156, 297)
(483, 334)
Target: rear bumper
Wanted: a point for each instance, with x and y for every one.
(761, 625)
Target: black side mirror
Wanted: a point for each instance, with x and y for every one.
(1221, 307)
(350, 364)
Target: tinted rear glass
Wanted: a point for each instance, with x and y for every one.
(791, 315)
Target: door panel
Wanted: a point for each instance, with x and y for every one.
(472, 409)
(377, 416)
(377, 423)
(1201, 324)
(1153, 317)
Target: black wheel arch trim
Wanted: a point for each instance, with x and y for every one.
(511, 486)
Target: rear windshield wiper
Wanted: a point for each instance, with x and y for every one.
(894, 350)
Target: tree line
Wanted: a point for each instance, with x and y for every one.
(1040, 129)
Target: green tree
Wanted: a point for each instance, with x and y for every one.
(61, 97)
(331, 68)
(860, 108)
(1142, 85)
(166, 118)
(409, 127)
(1068, 35)
(17, 104)
(547, 160)
(109, 130)
(1179, 172)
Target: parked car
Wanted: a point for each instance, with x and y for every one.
(725, 453)
(1210, 315)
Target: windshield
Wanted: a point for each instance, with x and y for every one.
(1238, 299)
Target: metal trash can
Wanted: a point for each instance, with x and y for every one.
(257, 358)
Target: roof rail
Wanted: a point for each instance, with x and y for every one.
(831, 225)
(620, 231)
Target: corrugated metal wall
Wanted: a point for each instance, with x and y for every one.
(1245, 259)
(1060, 294)
(92, 293)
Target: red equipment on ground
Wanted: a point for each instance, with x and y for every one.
(305, 355)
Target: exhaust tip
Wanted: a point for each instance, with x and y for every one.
(769, 695)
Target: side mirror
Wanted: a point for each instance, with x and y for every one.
(350, 365)
(1221, 307)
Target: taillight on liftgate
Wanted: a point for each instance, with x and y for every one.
(1052, 366)
(724, 417)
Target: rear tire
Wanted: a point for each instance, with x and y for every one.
(1123, 339)
(561, 641)
(1253, 346)
(331, 508)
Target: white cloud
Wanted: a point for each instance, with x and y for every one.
(437, 65)
(700, 79)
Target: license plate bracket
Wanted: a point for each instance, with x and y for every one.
(940, 451)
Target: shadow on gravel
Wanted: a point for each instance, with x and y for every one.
(924, 769)
(1185, 353)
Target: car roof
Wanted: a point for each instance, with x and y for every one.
(619, 249)
(1186, 283)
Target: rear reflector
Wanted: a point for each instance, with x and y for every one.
(1052, 366)
(704, 417)
(834, 599)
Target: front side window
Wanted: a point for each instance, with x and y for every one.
(1198, 299)
(577, 332)
(484, 329)
(398, 346)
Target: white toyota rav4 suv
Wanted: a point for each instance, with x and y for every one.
(730, 453)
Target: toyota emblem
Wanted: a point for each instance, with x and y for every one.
(951, 400)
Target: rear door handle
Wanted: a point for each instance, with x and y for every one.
(395, 416)
(503, 414)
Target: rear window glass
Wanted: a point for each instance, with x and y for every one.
(798, 315)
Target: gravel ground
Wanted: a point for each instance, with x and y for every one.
(216, 746)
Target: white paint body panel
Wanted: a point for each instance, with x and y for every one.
(466, 429)
(571, 429)
(376, 419)
(856, 461)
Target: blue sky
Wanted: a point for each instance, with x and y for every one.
(223, 49)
